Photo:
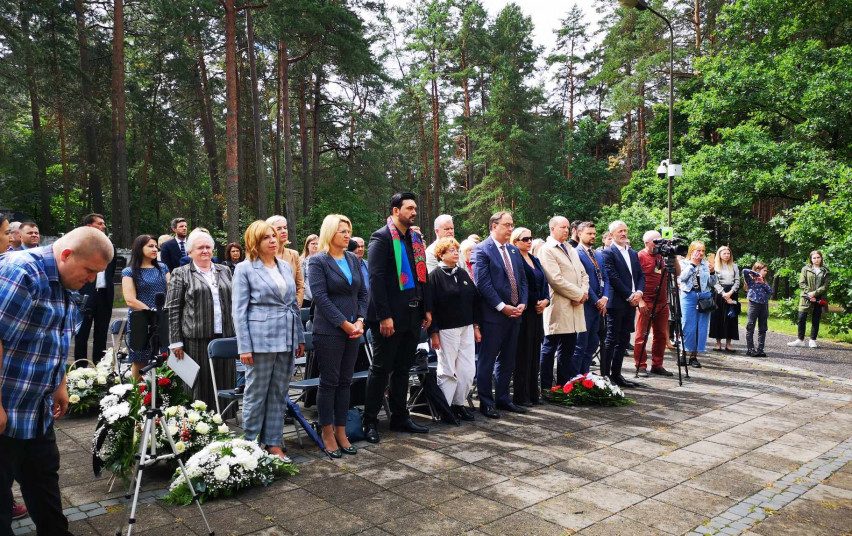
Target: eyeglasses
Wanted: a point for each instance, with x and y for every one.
(526, 239)
(507, 225)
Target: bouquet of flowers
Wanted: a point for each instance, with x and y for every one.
(222, 468)
(193, 428)
(170, 391)
(115, 441)
(588, 390)
(87, 385)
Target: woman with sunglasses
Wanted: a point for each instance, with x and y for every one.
(527, 365)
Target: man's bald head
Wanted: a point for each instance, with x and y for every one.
(560, 228)
(80, 254)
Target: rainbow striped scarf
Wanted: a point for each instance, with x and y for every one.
(403, 267)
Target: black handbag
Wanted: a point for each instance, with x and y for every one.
(706, 305)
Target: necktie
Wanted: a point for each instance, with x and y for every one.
(511, 273)
(182, 248)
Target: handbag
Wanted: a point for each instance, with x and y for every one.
(355, 424)
(706, 305)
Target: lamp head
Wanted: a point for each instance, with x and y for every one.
(638, 4)
(662, 168)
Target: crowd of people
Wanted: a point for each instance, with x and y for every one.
(510, 313)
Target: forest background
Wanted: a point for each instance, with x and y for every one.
(226, 111)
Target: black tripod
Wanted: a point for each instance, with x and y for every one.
(668, 275)
(153, 417)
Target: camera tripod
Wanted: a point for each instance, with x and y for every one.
(154, 417)
(668, 275)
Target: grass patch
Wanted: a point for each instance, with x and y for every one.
(782, 325)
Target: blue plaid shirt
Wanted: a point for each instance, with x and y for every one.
(38, 317)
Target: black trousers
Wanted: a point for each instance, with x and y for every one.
(34, 463)
(619, 326)
(392, 359)
(525, 378)
(336, 355)
(101, 314)
(815, 318)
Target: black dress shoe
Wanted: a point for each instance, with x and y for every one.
(660, 371)
(371, 433)
(463, 413)
(760, 354)
(512, 407)
(336, 454)
(693, 362)
(489, 411)
(750, 352)
(409, 426)
(622, 382)
(527, 404)
(536, 402)
(641, 372)
(350, 450)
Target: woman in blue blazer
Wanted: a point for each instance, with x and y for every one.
(340, 304)
(269, 331)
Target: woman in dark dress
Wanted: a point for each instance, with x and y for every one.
(233, 256)
(525, 378)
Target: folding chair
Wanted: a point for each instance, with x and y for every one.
(223, 349)
(418, 398)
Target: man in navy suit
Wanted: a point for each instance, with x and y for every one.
(98, 305)
(595, 308)
(628, 283)
(175, 249)
(499, 276)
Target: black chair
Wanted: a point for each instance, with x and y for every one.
(223, 349)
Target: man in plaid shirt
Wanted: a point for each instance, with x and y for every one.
(38, 317)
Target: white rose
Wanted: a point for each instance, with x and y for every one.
(202, 428)
(199, 405)
(73, 399)
(217, 419)
(102, 380)
(81, 384)
(173, 429)
(249, 464)
(223, 429)
(180, 447)
(221, 473)
(193, 417)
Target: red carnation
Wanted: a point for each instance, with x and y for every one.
(588, 384)
(185, 435)
(568, 388)
(147, 400)
(142, 387)
(555, 389)
(164, 382)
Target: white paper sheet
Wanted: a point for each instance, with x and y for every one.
(186, 368)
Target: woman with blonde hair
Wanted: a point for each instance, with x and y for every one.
(466, 255)
(290, 256)
(309, 249)
(696, 299)
(269, 333)
(340, 305)
(723, 321)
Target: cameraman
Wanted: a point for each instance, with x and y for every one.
(656, 289)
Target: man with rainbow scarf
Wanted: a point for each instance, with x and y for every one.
(396, 314)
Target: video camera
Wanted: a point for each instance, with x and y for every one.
(670, 248)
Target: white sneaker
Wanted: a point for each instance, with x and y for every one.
(797, 342)
(812, 343)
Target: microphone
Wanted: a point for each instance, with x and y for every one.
(159, 301)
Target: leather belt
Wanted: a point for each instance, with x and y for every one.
(414, 303)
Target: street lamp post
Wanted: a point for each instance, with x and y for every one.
(642, 5)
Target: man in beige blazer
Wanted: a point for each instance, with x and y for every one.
(564, 317)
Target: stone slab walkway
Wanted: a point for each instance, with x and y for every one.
(744, 447)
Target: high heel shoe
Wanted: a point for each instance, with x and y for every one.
(336, 454)
(351, 450)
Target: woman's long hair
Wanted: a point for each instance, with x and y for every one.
(308, 240)
(137, 254)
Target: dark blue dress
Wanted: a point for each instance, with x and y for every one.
(151, 281)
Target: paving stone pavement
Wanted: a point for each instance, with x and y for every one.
(742, 448)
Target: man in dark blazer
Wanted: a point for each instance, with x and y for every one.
(499, 276)
(628, 283)
(600, 293)
(97, 311)
(174, 250)
(397, 311)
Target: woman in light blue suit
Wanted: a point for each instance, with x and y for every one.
(269, 331)
(695, 281)
(340, 304)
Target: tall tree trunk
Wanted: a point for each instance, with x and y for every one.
(315, 132)
(208, 130)
(92, 185)
(640, 128)
(284, 115)
(262, 210)
(232, 180)
(628, 147)
(436, 145)
(424, 158)
(468, 165)
(120, 190)
(304, 147)
(571, 90)
(279, 122)
(696, 21)
(35, 113)
(60, 123)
